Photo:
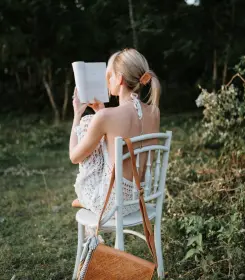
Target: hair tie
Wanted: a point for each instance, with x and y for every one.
(145, 78)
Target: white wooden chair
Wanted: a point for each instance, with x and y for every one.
(154, 190)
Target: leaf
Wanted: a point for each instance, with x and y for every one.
(204, 265)
(190, 253)
(197, 239)
(191, 240)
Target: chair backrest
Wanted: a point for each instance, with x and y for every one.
(155, 173)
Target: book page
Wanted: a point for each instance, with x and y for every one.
(95, 74)
(79, 75)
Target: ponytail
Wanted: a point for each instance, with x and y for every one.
(155, 89)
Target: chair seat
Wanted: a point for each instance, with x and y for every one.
(88, 218)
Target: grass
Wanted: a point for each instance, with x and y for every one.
(38, 232)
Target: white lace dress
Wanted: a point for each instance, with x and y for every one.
(94, 175)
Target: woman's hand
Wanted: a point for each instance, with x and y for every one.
(97, 105)
(78, 107)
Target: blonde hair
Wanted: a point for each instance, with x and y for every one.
(132, 65)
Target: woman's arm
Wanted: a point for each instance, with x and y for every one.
(78, 111)
(96, 130)
(73, 136)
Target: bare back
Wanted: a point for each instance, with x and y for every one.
(124, 121)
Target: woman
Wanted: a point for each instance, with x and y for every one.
(92, 137)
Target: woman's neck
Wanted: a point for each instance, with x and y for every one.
(124, 96)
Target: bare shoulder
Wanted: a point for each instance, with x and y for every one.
(153, 111)
(104, 115)
(155, 116)
(98, 118)
(111, 111)
(156, 110)
(105, 112)
(111, 114)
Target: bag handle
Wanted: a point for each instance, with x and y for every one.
(146, 222)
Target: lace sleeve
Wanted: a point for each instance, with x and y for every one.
(82, 128)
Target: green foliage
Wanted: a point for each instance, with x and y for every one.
(224, 116)
(204, 215)
(206, 190)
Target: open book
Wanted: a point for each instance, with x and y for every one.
(90, 81)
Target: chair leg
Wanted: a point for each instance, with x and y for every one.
(116, 243)
(119, 243)
(81, 237)
(158, 243)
